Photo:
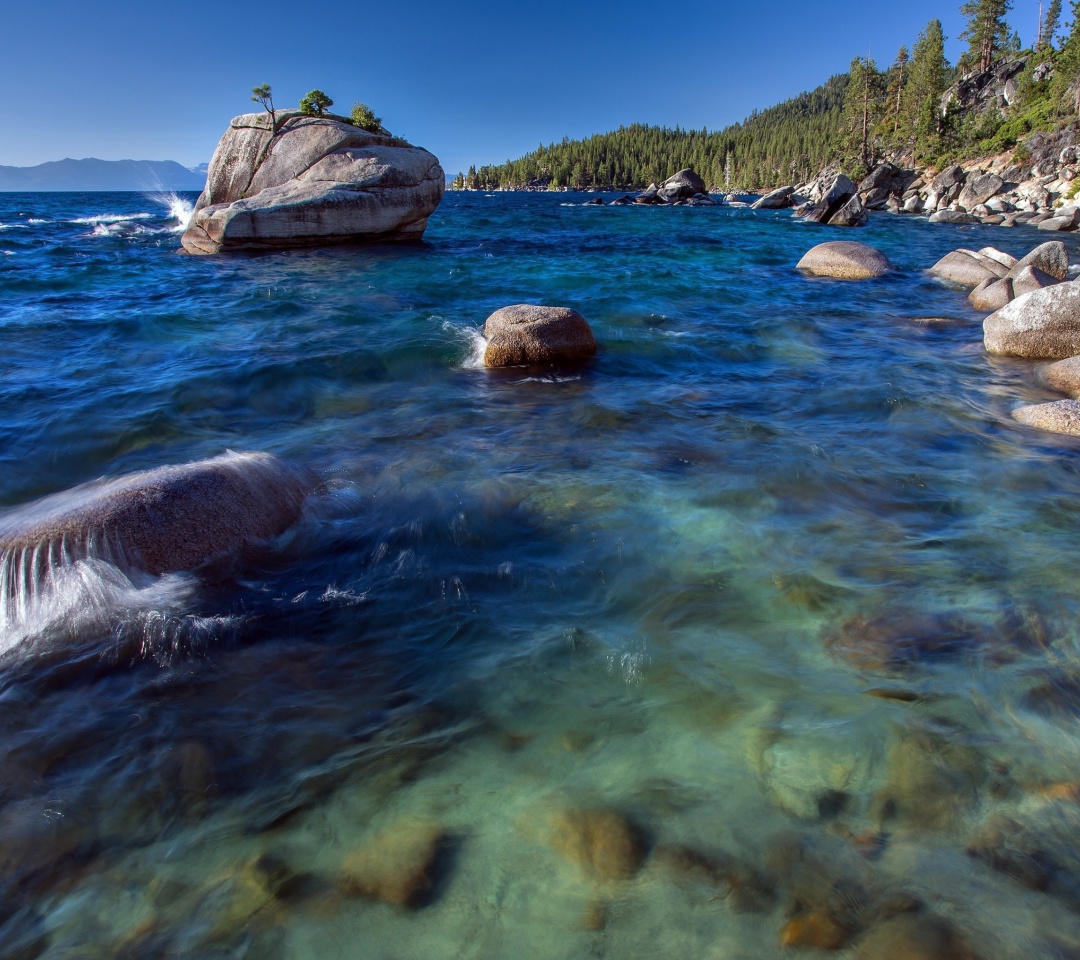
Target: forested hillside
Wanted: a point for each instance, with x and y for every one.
(920, 110)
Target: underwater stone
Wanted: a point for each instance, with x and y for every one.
(602, 842)
(914, 937)
(525, 333)
(814, 929)
(845, 260)
(396, 866)
(162, 520)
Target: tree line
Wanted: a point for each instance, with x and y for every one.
(855, 119)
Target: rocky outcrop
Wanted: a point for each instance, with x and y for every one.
(997, 277)
(1043, 325)
(982, 92)
(776, 200)
(158, 521)
(313, 180)
(684, 188)
(845, 260)
(883, 182)
(528, 334)
(831, 199)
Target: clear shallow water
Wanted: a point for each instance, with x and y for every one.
(776, 579)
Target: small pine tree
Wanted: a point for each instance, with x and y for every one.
(315, 104)
(364, 118)
(262, 94)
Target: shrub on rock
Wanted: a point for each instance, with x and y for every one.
(525, 334)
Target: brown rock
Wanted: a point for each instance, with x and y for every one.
(845, 260)
(896, 637)
(526, 334)
(1064, 376)
(396, 866)
(991, 294)
(171, 518)
(1061, 416)
(600, 841)
(595, 918)
(914, 937)
(814, 929)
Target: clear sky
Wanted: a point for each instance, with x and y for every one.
(474, 82)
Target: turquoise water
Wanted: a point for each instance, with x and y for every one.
(776, 583)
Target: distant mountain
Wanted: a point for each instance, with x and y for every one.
(93, 175)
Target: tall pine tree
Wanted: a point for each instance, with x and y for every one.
(920, 117)
(987, 33)
(863, 105)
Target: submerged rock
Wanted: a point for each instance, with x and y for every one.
(845, 260)
(600, 841)
(312, 180)
(396, 866)
(158, 521)
(914, 937)
(526, 333)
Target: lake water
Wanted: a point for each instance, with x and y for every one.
(759, 629)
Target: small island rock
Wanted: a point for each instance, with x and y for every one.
(682, 186)
(525, 333)
(845, 260)
(312, 180)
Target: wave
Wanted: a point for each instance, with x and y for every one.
(470, 338)
(112, 218)
(13, 226)
(180, 210)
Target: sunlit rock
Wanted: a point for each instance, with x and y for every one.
(527, 334)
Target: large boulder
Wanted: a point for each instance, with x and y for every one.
(978, 189)
(313, 180)
(845, 260)
(883, 182)
(682, 186)
(162, 520)
(851, 214)
(775, 200)
(526, 334)
(967, 268)
(1042, 325)
(992, 294)
(1051, 257)
(1063, 376)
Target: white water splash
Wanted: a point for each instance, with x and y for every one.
(180, 210)
(112, 218)
(472, 339)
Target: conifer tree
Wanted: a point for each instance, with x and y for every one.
(1049, 25)
(920, 122)
(898, 77)
(987, 33)
(1065, 86)
(862, 111)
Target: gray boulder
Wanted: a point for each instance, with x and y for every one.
(949, 179)
(1061, 416)
(845, 260)
(1051, 257)
(978, 189)
(315, 180)
(1042, 325)
(682, 186)
(528, 334)
(952, 216)
(966, 268)
(883, 182)
(851, 214)
(1029, 278)
(775, 200)
(163, 520)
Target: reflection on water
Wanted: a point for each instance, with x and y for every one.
(757, 633)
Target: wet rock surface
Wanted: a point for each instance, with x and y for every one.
(529, 334)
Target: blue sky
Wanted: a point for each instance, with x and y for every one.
(476, 82)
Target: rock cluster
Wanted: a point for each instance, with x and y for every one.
(685, 188)
(996, 278)
(831, 198)
(311, 180)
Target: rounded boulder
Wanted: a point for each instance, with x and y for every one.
(525, 334)
(1061, 416)
(845, 260)
(1041, 325)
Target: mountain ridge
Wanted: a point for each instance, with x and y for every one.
(91, 175)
